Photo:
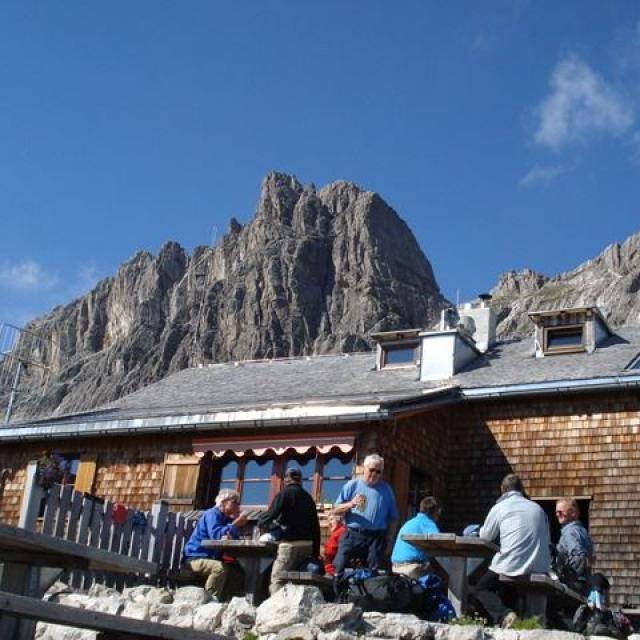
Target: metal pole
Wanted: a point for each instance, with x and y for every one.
(14, 390)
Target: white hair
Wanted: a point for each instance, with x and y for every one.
(226, 494)
(374, 459)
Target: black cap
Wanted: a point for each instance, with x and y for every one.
(294, 473)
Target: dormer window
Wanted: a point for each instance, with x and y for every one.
(564, 339)
(568, 330)
(400, 355)
(397, 349)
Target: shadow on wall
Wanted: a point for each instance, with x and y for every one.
(5, 476)
(476, 466)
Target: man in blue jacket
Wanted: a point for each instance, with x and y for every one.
(221, 521)
(407, 559)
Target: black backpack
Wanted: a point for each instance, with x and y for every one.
(376, 592)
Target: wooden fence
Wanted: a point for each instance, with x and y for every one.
(157, 535)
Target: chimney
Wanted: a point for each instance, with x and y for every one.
(484, 319)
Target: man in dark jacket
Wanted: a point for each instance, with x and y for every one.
(574, 557)
(295, 511)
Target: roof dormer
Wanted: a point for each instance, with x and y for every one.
(568, 330)
(397, 349)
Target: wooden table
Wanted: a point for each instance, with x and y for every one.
(254, 557)
(458, 550)
(23, 550)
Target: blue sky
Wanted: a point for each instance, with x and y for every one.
(506, 133)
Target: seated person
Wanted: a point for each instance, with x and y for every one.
(336, 530)
(225, 577)
(523, 530)
(574, 551)
(295, 512)
(407, 559)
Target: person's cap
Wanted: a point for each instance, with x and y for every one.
(294, 473)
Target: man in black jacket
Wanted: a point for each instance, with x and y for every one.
(295, 511)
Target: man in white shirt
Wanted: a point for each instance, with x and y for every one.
(523, 531)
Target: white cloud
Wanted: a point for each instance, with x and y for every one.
(541, 175)
(26, 276)
(581, 104)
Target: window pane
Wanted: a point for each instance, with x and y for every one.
(564, 337)
(336, 468)
(330, 490)
(229, 471)
(399, 355)
(257, 482)
(258, 469)
(334, 474)
(255, 493)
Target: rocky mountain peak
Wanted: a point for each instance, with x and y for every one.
(610, 281)
(313, 272)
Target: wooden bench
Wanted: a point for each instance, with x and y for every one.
(536, 589)
(185, 577)
(324, 583)
(110, 626)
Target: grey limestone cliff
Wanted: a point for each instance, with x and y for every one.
(315, 271)
(609, 281)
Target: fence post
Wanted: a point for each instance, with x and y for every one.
(157, 528)
(32, 497)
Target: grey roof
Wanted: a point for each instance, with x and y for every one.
(511, 363)
(349, 379)
(353, 380)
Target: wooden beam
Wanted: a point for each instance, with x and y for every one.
(37, 544)
(22, 606)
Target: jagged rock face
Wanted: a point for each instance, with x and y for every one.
(610, 281)
(313, 272)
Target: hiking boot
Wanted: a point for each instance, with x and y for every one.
(509, 620)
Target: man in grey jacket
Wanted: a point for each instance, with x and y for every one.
(523, 531)
(574, 557)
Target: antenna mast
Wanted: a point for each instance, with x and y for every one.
(19, 349)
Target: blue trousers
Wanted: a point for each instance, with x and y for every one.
(367, 545)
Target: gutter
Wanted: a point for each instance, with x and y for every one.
(556, 386)
(277, 417)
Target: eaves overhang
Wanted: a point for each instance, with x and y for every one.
(299, 415)
(552, 387)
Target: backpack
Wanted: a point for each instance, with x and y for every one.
(386, 593)
(429, 603)
(601, 622)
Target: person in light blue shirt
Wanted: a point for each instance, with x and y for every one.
(407, 559)
(371, 515)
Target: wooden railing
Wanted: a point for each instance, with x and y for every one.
(157, 535)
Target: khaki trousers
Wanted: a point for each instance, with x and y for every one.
(224, 580)
(290, 555)
(413, 570)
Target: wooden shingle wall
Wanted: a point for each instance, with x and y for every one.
(13, 463)
(420, 442)
(128, 469)
(585, 445)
